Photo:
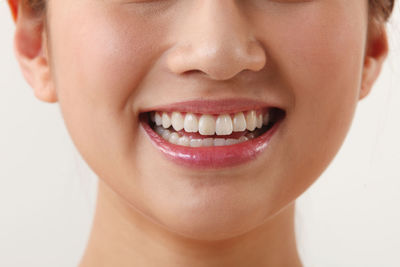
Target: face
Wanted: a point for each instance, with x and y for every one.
(113, 61)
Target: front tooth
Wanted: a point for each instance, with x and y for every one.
(259, 122)
(266, 119)
(166, 120)
(207, 125)
(239, 122)
(173, 138)
(251, 120)
(184, 141)
(219, 141)
(191, 123)
(177, 121)
(158, 119)
(223, 125)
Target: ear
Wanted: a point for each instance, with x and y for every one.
(377, 48)
(30, 47)
(13, 4)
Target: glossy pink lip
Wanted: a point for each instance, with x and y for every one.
(211, 157)
(222, 106)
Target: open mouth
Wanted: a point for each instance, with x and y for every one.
(206, 130)
(210, 139)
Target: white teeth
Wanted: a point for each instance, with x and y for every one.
(239, 122)
(184, 141)
(187, 141)
(259, 122)
(160, 130)
(208, 142)
(166, 134)
(250, 136)
(266, 119)
(196, 143)
(157, 119)
(251, 120)
(177, 121)
(219, 141)
(243, 139)
(223, 125)
(191, 123)
(173, 138)
(166, 120)
(207, 125)
(231, 141)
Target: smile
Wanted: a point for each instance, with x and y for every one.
(188, 136)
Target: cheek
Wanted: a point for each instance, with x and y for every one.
(100, 59)
(325, 65)
(100, 55)
(319, 61)
(318, 53)
(321, 55)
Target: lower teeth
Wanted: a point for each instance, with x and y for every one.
(174, 138)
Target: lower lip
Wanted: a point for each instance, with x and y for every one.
(211, 157)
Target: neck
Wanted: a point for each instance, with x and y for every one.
(121, 236)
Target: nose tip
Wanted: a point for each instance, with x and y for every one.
(217, 60)
(215, 40)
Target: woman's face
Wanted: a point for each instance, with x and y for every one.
(112, 60)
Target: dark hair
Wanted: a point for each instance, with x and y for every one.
(38, 6)
(380, 10)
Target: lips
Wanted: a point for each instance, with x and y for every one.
(212, 134)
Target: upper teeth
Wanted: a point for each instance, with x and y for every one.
(207, 124)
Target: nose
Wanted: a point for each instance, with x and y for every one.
(215, 39)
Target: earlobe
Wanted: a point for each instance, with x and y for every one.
(30, 46)
(376, 52)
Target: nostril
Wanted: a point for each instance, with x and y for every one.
(219, 58)
(193, 72)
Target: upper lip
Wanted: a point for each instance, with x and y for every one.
(213, 106)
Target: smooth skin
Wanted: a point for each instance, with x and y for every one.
(106, 61)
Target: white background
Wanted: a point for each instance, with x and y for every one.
(349, 217)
